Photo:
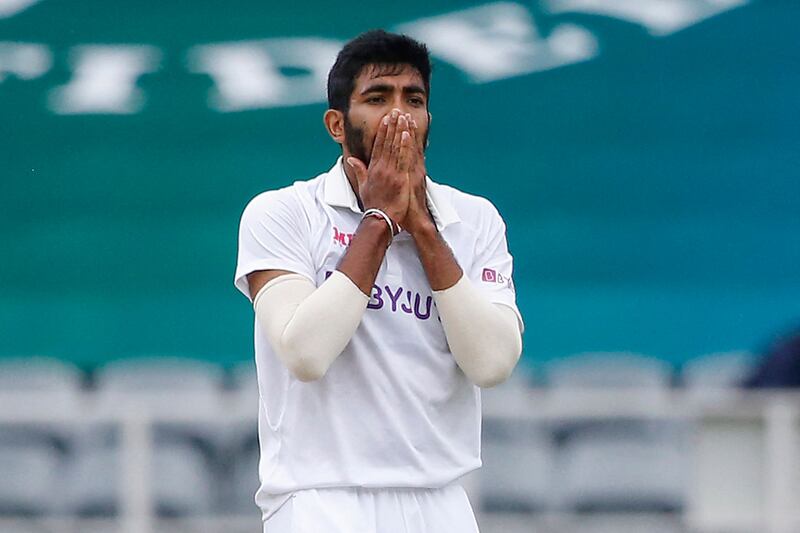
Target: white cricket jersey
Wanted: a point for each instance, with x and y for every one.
(394, 409)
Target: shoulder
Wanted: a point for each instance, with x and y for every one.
(474, 210)
(293, 199)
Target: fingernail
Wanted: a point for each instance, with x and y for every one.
(386, 119)
(349, 162)
(394, 114)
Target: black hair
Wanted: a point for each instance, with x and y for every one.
(374, 47)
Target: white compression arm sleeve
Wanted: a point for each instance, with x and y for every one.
(484, 338)
(308, 327)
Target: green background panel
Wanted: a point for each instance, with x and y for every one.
(652, 194)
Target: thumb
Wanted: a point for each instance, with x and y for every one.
(359, 168)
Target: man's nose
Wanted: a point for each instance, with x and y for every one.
(401, 105)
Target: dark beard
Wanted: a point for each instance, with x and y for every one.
(354, 140)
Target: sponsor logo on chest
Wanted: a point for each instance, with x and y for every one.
(341, 238)
(399, 300)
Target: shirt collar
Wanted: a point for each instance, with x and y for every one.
(339, 193)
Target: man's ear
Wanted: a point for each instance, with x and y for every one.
(334, 123)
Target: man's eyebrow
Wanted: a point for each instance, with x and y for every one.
(386, 88)
(378, 88)
(414, 89)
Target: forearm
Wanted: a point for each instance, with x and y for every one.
(441, 267)
(484, 337)
(307, 326)
(363, 257)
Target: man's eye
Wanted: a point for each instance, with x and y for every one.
(375, 100)
(416, 101)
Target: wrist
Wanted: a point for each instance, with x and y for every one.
(376, 228)
(424, 231)
(380, 214)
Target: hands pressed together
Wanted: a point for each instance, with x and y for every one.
(394, 182)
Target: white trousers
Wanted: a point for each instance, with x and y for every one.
(358, 510)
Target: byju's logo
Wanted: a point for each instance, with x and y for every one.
(492, 276)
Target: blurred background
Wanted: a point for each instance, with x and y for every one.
(644, 154)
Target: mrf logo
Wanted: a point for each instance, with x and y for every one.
(341, 238)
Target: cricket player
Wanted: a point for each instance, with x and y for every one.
(383, 302)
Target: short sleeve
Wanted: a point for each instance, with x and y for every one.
(493, 266)
(273, 235)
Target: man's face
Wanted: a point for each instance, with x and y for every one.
(379, 89)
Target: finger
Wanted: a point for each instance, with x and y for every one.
(405, 152)
(417, 152)
(414, 142)
(402, 126)
(391, 128)
(360, 169)
(380, 137)
(418, 137)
